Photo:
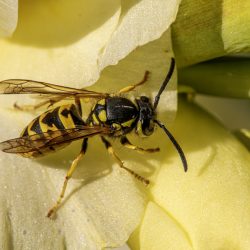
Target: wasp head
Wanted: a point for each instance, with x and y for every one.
(145, 124)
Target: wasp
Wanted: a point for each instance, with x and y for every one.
(112, 115)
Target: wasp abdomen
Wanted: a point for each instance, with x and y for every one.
(60, 118)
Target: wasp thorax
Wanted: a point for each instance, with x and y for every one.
(145, 124)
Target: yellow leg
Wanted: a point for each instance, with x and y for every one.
(50, 102)
(120, 163)
(132, 87)
(125, 142)
(67, 177)
(31, 107)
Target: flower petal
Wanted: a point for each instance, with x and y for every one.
(208, 29)
(70, 43)
(151, 17)
(8, 17)
(157, 224)
(103, 205)
(211, 202)
(59, 42)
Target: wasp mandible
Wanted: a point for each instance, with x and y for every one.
(111, 116)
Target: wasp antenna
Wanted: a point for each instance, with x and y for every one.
(175, 143)
(164, 84)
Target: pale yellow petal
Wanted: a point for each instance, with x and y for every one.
(103, 204)
(69, 43)
(59, 41)
(211, 202)
(140, 22)
(160, 231)
(8, 17)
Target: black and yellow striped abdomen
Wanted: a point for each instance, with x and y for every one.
(59, 118)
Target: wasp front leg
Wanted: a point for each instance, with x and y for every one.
(132, 87)
(120, 163)
(68, 176)
(126, 143)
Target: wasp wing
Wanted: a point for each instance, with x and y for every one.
(21, 86)
(40, 143)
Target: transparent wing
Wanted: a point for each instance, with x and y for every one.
(42, 142)
(21, 86)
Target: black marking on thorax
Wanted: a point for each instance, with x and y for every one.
(97, 109)
(120, 110)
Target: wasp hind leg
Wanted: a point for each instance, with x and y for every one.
(31, 107)
(126, 143)
(68, 176)
(48, 103)
(132, 87)
(120, 163)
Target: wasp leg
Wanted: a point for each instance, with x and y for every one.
(125, 142)
(31, 107)
(132, 87)
(68, 176)
(49, 102)
(118, 160)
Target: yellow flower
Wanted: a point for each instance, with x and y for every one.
(69, 43)
(207, 207)
(8, 17)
